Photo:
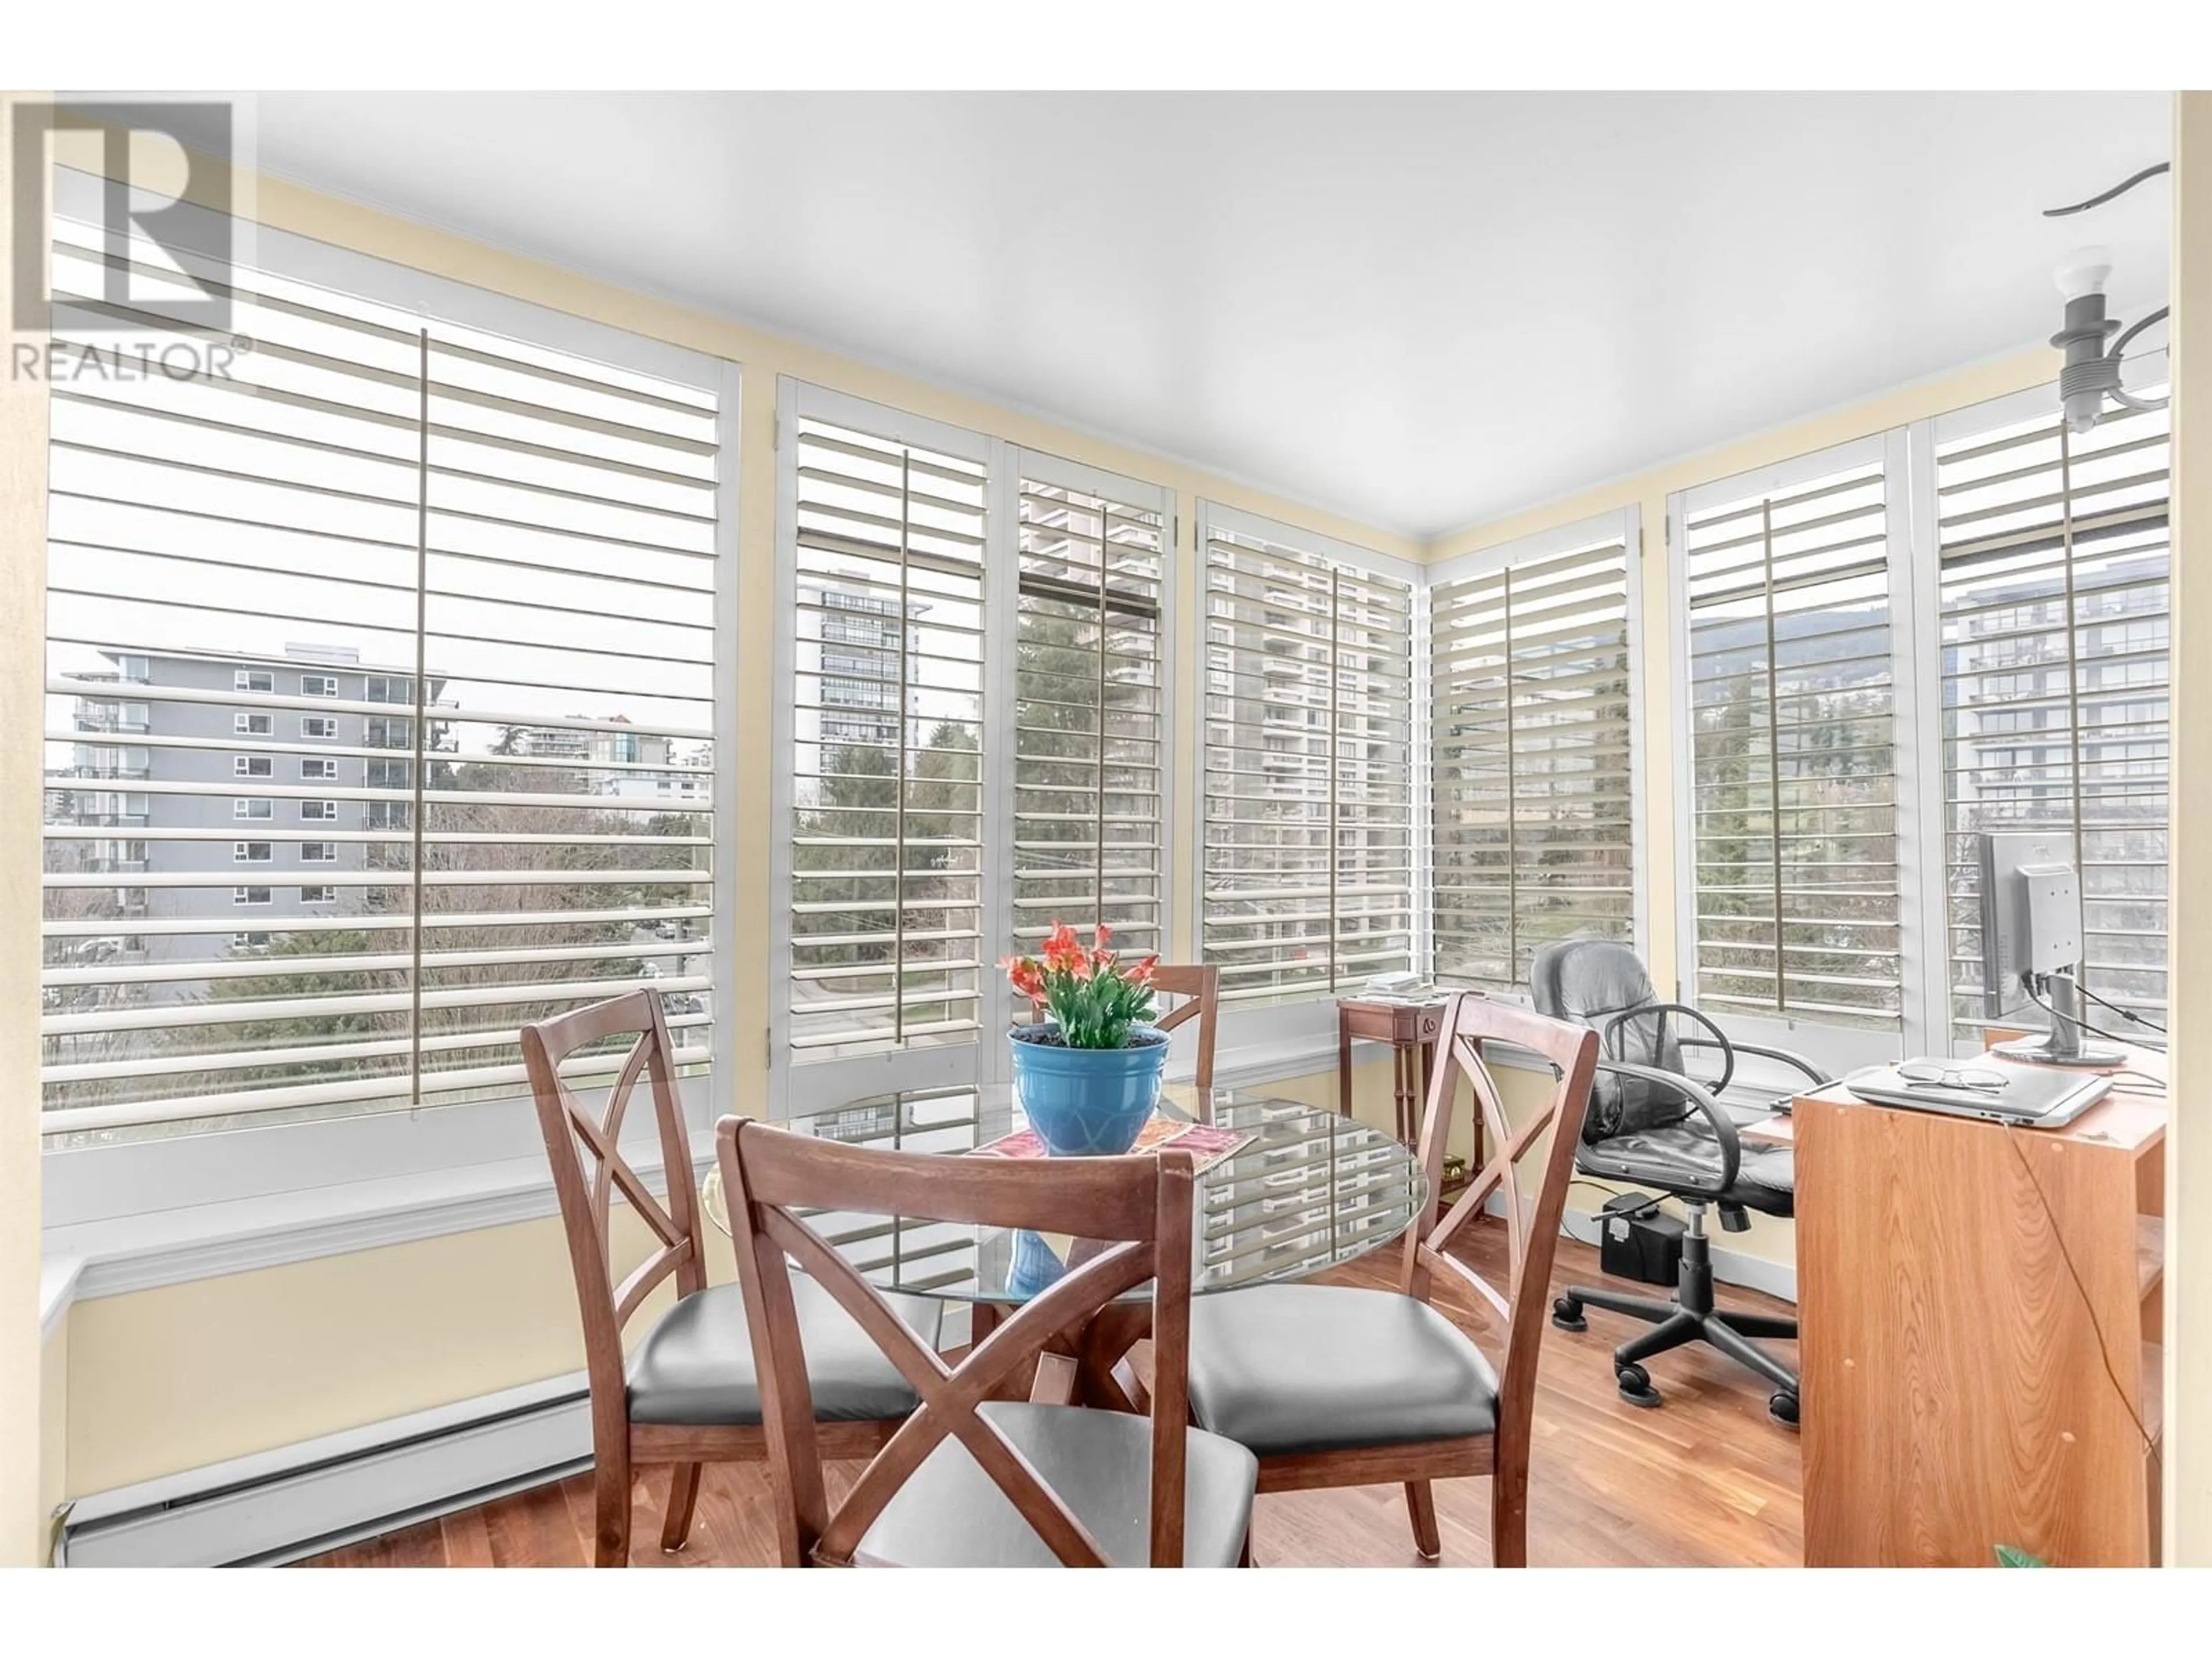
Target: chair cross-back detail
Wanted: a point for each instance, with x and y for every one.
(919, 1487)
(1201, 987)
(1335, 1386)
(689, 1397)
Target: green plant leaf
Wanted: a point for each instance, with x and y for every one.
(2010, 1555)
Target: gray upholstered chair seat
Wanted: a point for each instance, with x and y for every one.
(950, 1514)
(1296, 1368)
(696, 1366)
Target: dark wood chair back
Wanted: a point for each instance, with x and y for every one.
(1532, 1219)
(1200, 988)
(1140, 1206)
(584, 1146)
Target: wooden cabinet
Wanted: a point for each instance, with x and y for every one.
(1980, 1315)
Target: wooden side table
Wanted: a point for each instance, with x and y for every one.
(1411, 1030)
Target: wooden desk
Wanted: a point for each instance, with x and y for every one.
(1980, 1307)
(1411, 1030)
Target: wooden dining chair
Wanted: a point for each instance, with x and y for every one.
(968, 1479)
(1338, 1386)
(1201, 987)
(689, 1396)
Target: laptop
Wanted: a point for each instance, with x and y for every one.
(2002, 1091)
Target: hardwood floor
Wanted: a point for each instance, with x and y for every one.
(1706, 1481)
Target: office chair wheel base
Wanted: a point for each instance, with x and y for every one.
(1567, 1315)
(1634, 1384)
(1782, 1408)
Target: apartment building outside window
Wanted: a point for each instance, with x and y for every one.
(557, 472)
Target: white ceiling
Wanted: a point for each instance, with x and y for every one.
(1423, 311)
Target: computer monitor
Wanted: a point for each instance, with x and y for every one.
(2031, 923)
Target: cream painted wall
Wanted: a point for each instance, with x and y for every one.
(22, 717)
(53, 1435)
(2188, 1445)
(188, 1375)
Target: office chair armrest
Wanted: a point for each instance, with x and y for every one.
(1724, 1128)
(1719, 1040)
(1813, 1074)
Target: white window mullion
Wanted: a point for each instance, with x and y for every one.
(1924, 929)
(1001, 627)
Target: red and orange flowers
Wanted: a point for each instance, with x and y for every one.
(1089, 994)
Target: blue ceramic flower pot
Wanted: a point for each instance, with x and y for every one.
(1087, 1103)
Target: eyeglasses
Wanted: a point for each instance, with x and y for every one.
(1926, 1074)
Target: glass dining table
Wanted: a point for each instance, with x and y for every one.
(1303, 1190)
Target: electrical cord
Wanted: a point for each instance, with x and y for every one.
(1645, 1208)
(2128, 1014)
(2120, 189)
(2088, 1306)
(2075, 1020)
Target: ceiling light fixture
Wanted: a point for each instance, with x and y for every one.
(2092, 371)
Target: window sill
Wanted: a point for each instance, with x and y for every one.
(116, 1256)
(120, 1255)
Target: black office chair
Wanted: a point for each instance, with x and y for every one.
(1652, 1124)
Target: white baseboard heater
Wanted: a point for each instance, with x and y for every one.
(301, 1500)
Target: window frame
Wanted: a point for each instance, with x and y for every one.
(328, 686)
(1309, 1024)
(797, 1087)
(1057, 472)
(1834, 1047)
(1926, 436)
(98, 1183)
(1625, 524)
(242, 766)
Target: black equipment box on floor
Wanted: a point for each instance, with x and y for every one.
(1637, 1241)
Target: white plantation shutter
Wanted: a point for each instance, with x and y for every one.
(1532, 673)
(887, 945)
(1307, 879)
(490, 564)
(1089, 821)
(2055, 554)
(1792, 801)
